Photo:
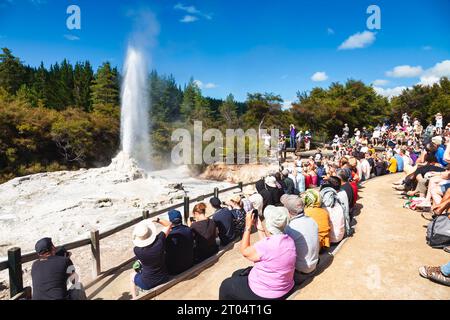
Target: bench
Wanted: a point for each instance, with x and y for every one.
(194, 271)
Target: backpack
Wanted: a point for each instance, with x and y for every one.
(438, 232)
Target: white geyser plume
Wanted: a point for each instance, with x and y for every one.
(135, 97)
(134, 124)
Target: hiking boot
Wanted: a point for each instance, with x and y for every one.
(427, 216)
(434, 274)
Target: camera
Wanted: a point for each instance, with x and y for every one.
(192, 219)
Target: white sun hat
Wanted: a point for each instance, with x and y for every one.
(271, 181)
(144, 233)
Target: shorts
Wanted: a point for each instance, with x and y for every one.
(140, 283)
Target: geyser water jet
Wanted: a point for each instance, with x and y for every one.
(134, 122)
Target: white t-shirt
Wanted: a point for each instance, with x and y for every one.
(365, 168)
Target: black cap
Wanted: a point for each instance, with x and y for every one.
(215, 202)
(43, 245)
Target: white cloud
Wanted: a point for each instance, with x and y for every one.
(330, 31)
(71, 37)
(192, 11)
(188, 18)
(358, 40)
(433, 74)
(202, 85)
(389, 92)
(380, 82)
(405, 71)
(319, 76)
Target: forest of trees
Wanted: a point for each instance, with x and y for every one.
(68, 116)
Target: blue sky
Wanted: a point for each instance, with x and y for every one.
(245, 46)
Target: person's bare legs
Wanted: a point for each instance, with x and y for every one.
(444, 205)
(133, 288)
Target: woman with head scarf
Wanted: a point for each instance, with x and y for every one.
(330, 202)
(313, 209)
(274, 255)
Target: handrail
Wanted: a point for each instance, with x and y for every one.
(31, 256)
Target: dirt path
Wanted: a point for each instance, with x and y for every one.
(379, 262)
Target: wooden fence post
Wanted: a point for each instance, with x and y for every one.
(15, 271)
(186, 209)
(240, 184)
(216, 192)
(95, 250)
(145, 214)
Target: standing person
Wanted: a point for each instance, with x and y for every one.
(307, 140)
(274, 257)
(51, 272)
(299, 139)
(205, 233)
(345, 132)
(149, 248)
(179, 244)
(439, 124)
(292, 136)
(224, 221)
(335, 143)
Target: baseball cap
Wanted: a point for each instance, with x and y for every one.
(43, 245)
(175, 216)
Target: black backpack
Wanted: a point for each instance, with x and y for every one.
(438, 232)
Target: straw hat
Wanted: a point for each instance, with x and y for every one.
(144, 233)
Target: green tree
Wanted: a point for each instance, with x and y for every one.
(82, 80)
(228, 112)
(12, 71)
(105, 87)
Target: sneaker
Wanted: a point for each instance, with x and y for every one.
(434, 274)
(447, 249)
(399, 188)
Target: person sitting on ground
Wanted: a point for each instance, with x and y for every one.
(345, 186)
(440, 150)
(274, 255)
(288, 182)
(224, 221)
(51, 272)
(335, 183)
(392, 165)
(311, 198)
(237, 209)
(179, 244)
(205, 233)
(437, 274)
(150, 252)
(399, 159)
(305, 233)
(330, 202)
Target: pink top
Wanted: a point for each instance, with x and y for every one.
(273, 275)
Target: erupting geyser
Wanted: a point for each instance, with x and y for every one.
(135, 108)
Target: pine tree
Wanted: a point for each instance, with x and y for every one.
(83, 77)
(12, 72)
(105, 87)
(228, 112)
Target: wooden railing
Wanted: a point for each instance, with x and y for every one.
(15, 259)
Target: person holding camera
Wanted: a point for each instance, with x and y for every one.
(52, 273)
(205, 232)
(274, 257)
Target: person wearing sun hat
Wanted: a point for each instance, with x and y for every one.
(313, 209)
(274, 255)
(150, 251)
